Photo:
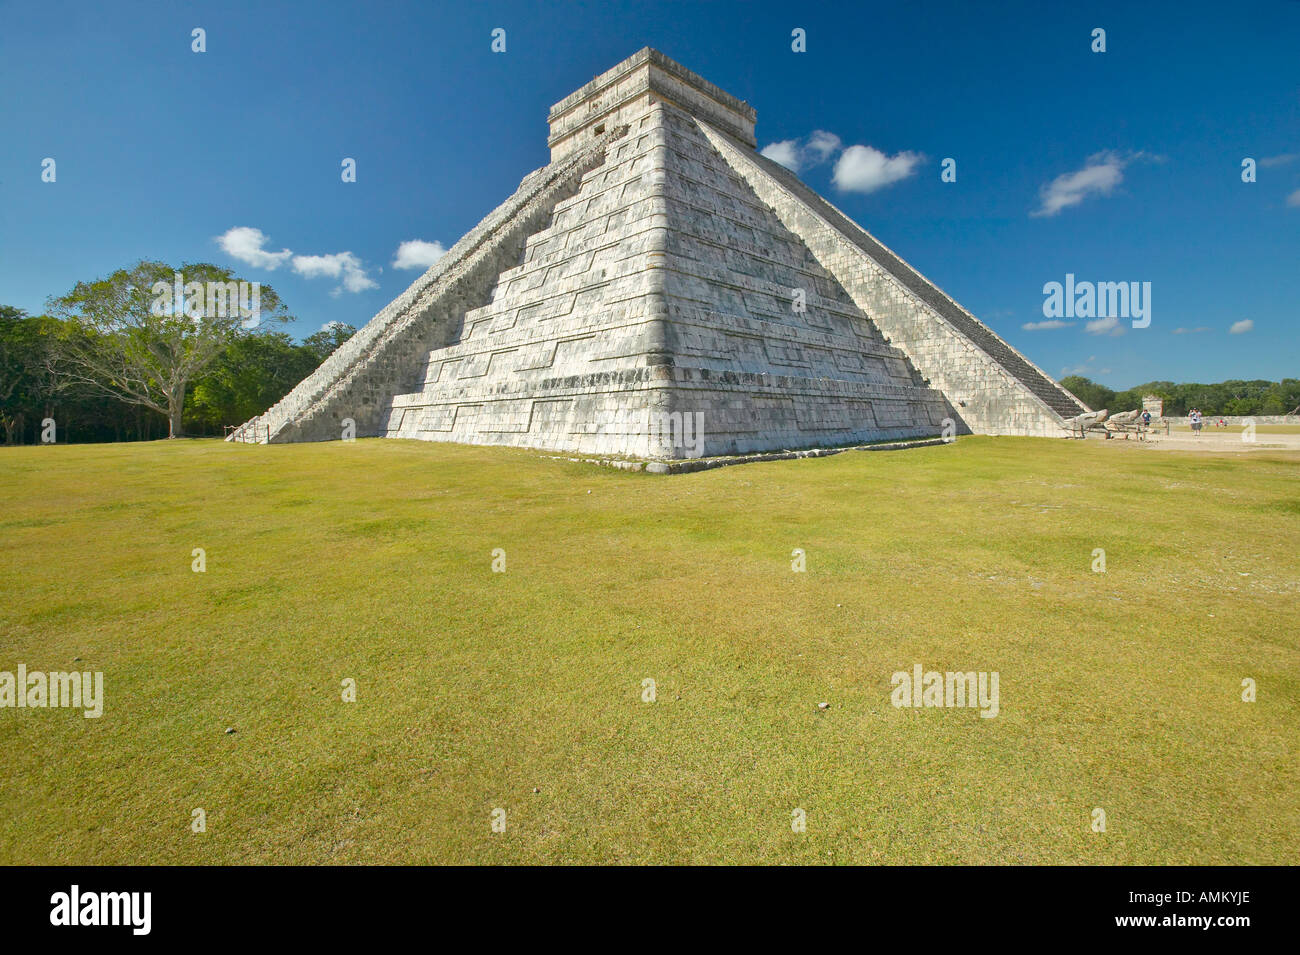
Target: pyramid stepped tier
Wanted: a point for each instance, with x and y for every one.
(662, 291)
(358, 381)
(664, 286)
(995, 388)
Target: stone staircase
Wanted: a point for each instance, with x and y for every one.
(1052, 394)
(249, 431)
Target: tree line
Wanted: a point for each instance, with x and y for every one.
(1235, 397)
(151, 351)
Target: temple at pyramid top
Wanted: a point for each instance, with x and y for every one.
(627, 89)
(660, 290)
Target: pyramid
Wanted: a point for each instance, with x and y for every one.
(660, 290)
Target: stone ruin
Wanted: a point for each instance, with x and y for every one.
(659, 272)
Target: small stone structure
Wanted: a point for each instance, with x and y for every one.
(661, 291)
(1155, 404)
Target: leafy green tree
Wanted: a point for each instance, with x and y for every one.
(324, 342)
(1126, 400)
(15, 364)
(1093, 395)
(136, 341)
(36, 383)
(1290, 389)
(250, 375)
(256, 371)
(1243, 405)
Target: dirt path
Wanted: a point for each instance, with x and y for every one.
(1217, 440)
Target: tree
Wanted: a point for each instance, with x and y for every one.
(143, 334)
(324, 342)
(256, 371)
(250, 375)
(15, 363)
(1274, 402)
(1093, 395)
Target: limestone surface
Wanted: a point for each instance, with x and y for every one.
(661, 291)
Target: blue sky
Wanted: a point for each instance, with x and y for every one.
(1117, 166)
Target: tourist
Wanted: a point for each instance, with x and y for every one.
(1195, 418)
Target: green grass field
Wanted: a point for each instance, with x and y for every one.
(522, 690)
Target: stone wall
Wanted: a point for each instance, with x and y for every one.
(763, 374)
(562, 354)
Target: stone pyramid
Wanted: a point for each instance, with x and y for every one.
(659, 291)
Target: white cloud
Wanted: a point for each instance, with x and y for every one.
(339, 265)
(1241, 327)
(1293, 200)
(1099, 177)
(858, 169)
(1269, 161)
(817, 149)
(1104, 326)
(1191, 331)
(786, 152)
(1085, 369)
(1039, 326)
(866, 169)
(244, 244)
(417, 254)
(822, 145)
